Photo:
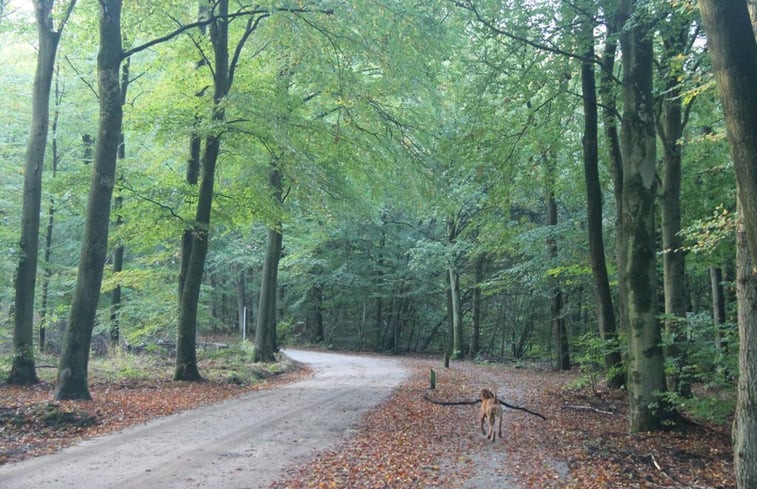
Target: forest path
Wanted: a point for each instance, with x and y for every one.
(244, 442)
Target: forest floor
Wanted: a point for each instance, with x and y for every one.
(408, 442)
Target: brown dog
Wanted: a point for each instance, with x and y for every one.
(490, 410)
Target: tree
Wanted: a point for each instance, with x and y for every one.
(265, 332)
(670, 125)
(118, 253)
(646, 374)
(561, 358)
(74, 360)
(733, 50)
(594, 216)
(23, 370)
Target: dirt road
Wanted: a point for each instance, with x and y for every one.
(241, 443)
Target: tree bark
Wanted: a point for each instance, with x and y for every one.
(241, 299)
(475, 337)
(264, 341)
(55, 157)
(315, 316)
(118, 253)
(456, 312)
(23, 370)
(646, 374)
(733, 50)
(186, 334)
(561, 355)
(675, 35)
(602, 292)
(745, 420)
(718, 306)
(74, 360)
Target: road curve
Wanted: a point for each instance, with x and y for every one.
(241, 443)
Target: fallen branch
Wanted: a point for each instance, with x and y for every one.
(450, 403)
(521, 409)
(671, 477)
(587, 408)
(476, 401)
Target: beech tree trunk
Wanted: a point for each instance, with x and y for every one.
(733, 50)
(196, 244)
(264, 334)
(718, 305)
(118, 253)
(55, 157)
(314, 325)
(745, 420)
(561, 355)
(475, 337)
(456, 311)
(602, 292)
(646, 374)
(675, 36)
(74, 360)
(23, 370)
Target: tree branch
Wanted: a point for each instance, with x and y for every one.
(476, 401)
(204, 22)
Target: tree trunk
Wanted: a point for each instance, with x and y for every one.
(186, 334)
(733, 51)
(315, 316)
(718, 306)
(561, 358)
(475, 337)
(192, 178)
(74, 360)
(745, 420)
(456, 311)
(267, 308)
(44, 307)
(118, 253)
(602, 293)
(646, 374)
(23, 370)
(670, 130)
(266, 328)
(241, 300)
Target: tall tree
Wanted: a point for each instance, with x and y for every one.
(561, 358)
(55, 159)
(118, 253)
(674, 31)
(222, 70)
(74, 359)
(265, 332)
(455, 312)
(733, 50)
(602, 291)
(23, 369)
(646, 374)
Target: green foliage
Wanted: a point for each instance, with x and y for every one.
(589, 353)
(711, 363)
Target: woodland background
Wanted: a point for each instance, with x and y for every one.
(391, 176)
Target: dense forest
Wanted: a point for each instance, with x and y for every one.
(490, 179)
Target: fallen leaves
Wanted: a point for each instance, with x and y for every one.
(31, 424)
(411, 443)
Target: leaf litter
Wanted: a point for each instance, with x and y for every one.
(408, 442)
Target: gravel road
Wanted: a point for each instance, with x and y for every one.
(241, 443)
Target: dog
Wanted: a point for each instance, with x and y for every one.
(490, 411)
